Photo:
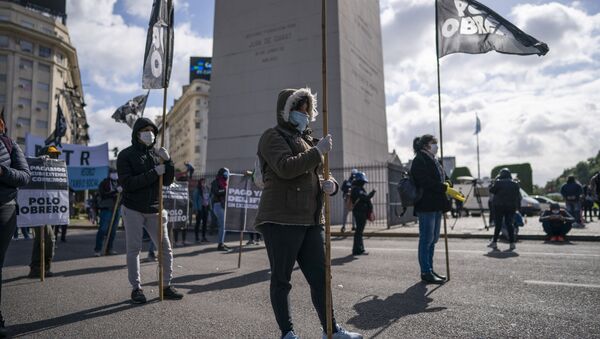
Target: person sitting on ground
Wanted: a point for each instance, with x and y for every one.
(556, 222)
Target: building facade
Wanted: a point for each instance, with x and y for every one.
(38, 70)
(187, 126)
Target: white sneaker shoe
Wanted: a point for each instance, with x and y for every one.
(97, 254)
(343, 334)
(291, 335)
(493, 245)
(512, 246)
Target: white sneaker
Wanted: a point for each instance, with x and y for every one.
(97, 254)
(513, 246)
(493, 245)
(291, 335)
(343, 334)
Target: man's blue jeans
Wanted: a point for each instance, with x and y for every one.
(429, 234)
(220, 214)
(105, 216)
(574, 209)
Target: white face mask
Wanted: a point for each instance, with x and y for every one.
(147, 137)
(114, 176)
(434, 148)
(555, 211)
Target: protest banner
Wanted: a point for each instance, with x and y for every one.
(87, 166)
(45, 200)
(241, 206)
(176, 202)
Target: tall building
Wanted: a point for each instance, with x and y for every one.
(187, 127)
(38, 69)
(281, 48)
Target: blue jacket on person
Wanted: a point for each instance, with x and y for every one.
(571, 191)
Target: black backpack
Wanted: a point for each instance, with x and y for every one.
(409, 192)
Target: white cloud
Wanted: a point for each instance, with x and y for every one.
(533, 109)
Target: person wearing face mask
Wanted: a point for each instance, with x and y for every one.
(108, 189)
(507, 200)
(139, 167)
(14, 173)
(218, 189)
(361, 201)
(290, 213)
(556, 222)
(430, 178)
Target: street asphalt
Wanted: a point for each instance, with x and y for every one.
(542, 290)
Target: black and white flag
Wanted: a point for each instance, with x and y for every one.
(60, 128)
(131, 110)
(466, 26)
(159, 46)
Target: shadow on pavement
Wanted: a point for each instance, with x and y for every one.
(343, 260)
(89, 270)
(28, 329)
(381, 313)
(501, 254)
(234, 282)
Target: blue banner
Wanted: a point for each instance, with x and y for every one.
(84, 178)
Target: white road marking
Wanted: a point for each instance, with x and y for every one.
(560, 254)
(555, 283)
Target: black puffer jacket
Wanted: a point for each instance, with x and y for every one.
(135, 166)
(427, 177)
(15, 171)
(506, 193)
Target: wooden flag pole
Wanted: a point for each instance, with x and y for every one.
(437, 59)
(110, 226)
(328, 298)
(160, 202)
(42, 234)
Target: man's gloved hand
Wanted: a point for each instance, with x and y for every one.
(325, 144)
(372, 193)
(160, 169)
(119, 189)
(163, 153)
(328, 186)
(454, 194)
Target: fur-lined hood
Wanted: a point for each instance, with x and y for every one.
(286, 100)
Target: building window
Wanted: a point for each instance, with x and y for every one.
(41, 124)
(3, 59)
(3, 41)
(42, 105)
(25, 64)
(43, 86)
(44, 68)
(59, 58)
(24, 102)
(25, 84)
(198, 102)
(197, 149)
(48, 30)
(2, 99)
(27, 23)
(4, 17)
(2, 77)
(21, 141)
(26, 46)
(45, 52)
(24, 121)
(197, 125)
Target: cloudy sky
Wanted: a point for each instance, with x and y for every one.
(541, 110)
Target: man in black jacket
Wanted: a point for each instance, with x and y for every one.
(218, 190)
(507, 200)
(363, 206)
(139, 169)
